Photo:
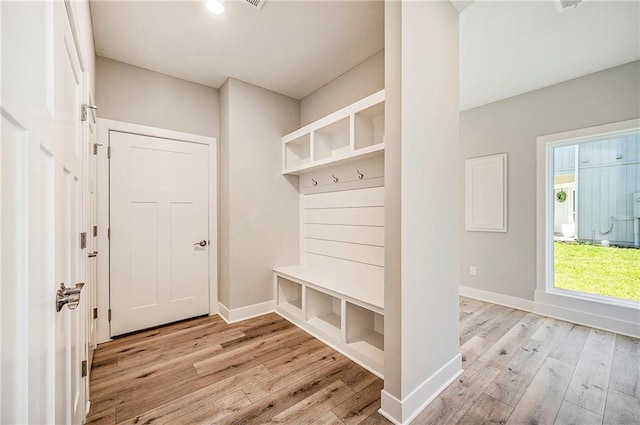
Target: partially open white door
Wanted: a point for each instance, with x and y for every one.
(159, 271)
(40, 199)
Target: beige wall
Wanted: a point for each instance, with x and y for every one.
(360, 81)
(136, 95)
(258, 205)
(506, 262)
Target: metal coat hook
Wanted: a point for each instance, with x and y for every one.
(335, 179)
(360, 175)
(315, 183)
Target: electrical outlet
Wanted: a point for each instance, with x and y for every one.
(472, 270)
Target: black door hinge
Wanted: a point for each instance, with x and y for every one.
(95, 313)
(83, 368)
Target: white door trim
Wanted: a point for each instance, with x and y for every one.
(104, 127)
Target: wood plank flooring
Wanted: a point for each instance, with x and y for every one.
(520, 368)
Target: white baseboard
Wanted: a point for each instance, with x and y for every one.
(496, 298)
(628, 324)
(244, 313)
(402, 412)
(571, 310)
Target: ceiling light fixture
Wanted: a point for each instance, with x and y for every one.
(214, 6)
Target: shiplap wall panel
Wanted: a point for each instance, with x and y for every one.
(348, 270)
(370, 197)
(367, 254)
(344, 230)
(366, 216)
(368, 235)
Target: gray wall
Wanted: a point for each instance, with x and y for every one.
(512, 125)
(358, 82)
(258, 205)
(136, 95)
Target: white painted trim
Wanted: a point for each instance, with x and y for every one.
(622, 317)
(500, 162)
(244, 313)
(496, 298)
(613, 318)
(104, 126)
(403, 412)
(223, 312)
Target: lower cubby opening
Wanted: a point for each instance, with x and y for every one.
(324, 312)
(365, 332)
(290, 296)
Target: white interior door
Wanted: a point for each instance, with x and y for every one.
(40, 199)
(159, 270)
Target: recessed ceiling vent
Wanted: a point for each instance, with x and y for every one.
(256, 4)
(564, 4)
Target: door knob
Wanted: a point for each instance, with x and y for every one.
(202, 243)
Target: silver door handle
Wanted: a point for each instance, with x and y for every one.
(202, 243)
(68, 296)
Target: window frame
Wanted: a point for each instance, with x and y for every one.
(561, 302)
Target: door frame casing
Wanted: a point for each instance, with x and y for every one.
(105, 126)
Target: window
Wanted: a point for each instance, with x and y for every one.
(592, 220)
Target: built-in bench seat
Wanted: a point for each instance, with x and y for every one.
(345, 312)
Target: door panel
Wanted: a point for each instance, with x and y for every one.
(13, 272)
(40, 204)
(158, 211)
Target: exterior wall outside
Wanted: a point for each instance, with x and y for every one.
(605, 189)
(512, 125)
(136, 95)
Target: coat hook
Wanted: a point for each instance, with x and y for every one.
(315, 183)
(360, 175)
(335, 179)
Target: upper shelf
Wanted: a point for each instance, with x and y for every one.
(356, 131)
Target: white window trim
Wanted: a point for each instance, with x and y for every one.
(592, 310)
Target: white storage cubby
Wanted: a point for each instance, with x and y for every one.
(356, 131)
(297, 152)
(324, 312)
(369, 126)
(365, 332)
(289, 296)
(332, 140)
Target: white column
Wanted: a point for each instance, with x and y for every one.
(422, 207)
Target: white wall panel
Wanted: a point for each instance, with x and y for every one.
(370, 197)
(373, 255)
(373, 216)
(368, 235)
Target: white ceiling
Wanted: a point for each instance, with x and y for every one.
(510, 48)
(295, 47)
(291, 47)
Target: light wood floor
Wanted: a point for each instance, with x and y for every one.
(520, 368)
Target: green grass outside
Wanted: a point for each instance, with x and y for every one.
(613, 272)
